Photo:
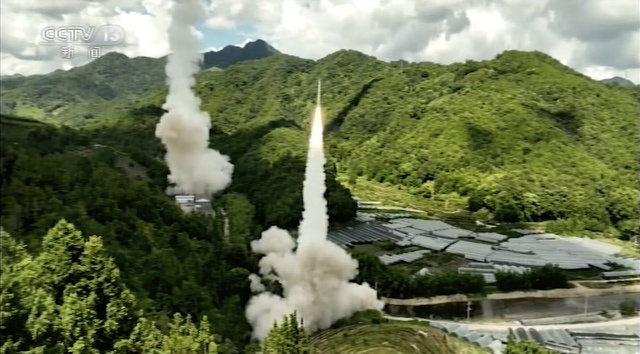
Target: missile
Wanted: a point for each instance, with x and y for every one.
(319, 89)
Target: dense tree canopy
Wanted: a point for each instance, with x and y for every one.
(521, 136)
(287, 337)
(398, 282)
(71, 299)
(543, 278)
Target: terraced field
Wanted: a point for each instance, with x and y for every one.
(389, 338)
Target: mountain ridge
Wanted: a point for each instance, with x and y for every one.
(114, 75)
(468, 130)
(618, 81)
(514, 125)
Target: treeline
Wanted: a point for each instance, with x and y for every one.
(543, 278)
(287, 337)
(399, 282)
(521, 137)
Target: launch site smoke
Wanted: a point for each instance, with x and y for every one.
(184, 129)
(315, 276)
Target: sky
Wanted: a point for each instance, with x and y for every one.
(600, 38)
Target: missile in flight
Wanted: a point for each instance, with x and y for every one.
(319, 89)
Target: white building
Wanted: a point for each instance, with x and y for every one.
(185, 199)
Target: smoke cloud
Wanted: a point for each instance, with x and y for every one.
(316, 276)
(184, 129)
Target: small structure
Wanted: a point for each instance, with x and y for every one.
(185, 199)
(190, 203)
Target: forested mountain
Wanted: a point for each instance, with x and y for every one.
(521, 136)
(617, 80)
(232, 54)
(77, 94)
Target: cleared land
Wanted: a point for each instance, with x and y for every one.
(389, 338)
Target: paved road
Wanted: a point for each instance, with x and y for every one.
(540, 294)
(485, 326)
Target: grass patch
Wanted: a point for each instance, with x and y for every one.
(392, 195)
(448, 208)
(629, 249)
(389, 338)
(368, 247)
(584, 274)
(597, 285)
(27, 110)
(607, 285)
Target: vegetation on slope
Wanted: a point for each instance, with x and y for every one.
(520, 138)
(517, 138)
(108, 86)
(171, 261)
(402, 282)
(71, 298)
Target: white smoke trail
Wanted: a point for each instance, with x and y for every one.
(184, 129)
(316, 277)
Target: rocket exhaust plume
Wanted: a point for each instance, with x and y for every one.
(316, 276)
(184, 129)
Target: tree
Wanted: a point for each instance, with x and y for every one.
(511, 281)
(74, 292)
(183, 337)
(523, 347)
(628, 307)
(548, 277)
(543, 278)
(98, 305)
(13, 313)
(288, 337)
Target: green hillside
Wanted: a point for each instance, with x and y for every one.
(517, 138)
(123, 242)
(107, 86)
(109, 183)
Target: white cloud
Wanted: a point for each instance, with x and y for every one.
(585, 34)
(589, 35)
